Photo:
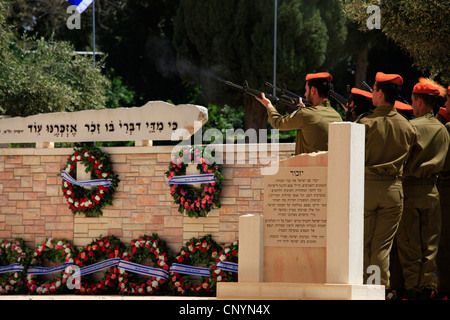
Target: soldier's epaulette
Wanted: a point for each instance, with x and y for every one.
(365, 114)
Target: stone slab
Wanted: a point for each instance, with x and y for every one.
(298, 291)
(156, 120)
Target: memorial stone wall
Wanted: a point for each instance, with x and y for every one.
(32, 205)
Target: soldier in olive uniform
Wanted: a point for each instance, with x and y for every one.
(419, 230)
(443, 255)
(361, 103)
(310, 122)
(389, 137)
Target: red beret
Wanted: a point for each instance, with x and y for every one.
(443, 112)
(394, 78)
(320, 75)
(426, 88)
(403, 106)
(363, 93)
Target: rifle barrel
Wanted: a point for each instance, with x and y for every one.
(340, 99)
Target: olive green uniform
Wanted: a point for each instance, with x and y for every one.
(389, 137)
(443, 255)
(311, 124)
(419, 230)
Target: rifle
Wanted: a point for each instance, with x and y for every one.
(367, 86)
(257, 94)
(345, 103)
(288, 95)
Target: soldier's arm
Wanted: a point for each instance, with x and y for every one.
(287, 122)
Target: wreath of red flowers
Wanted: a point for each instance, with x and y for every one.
(138, 250)
(196, 252)
(101, 249)
(89, 202)
(11, 252)
(56, 251)
(192, 201)
(229, 254)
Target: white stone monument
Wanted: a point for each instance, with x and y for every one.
(297, 270)
(156, 120)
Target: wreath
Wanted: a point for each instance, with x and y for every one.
(89, 202)
(196, 252)
(196, 202)
(139, 249)
(13, 252)
(54, 251)
(105, 248)
(229, 254)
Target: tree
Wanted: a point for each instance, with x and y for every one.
(233, 40)
(418, 26)
(38, 75)
(41, 76)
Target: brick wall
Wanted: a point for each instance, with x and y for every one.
(32, 205)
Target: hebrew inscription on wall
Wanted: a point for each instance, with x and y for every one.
(295, 207)
(156, 120)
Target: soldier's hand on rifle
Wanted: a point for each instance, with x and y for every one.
(300, 103)
(266, 102)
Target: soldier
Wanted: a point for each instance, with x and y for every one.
(443, 116)
(361, 102)
(310, 122)
(443, 255)
(389, 137)
(419, 230)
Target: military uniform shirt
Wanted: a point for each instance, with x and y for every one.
(311, 124)
(389, 137)
(430, 148)
(445, 174)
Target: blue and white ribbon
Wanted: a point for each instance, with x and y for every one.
(48, 270)
(88, 183)
(227, 266)
(144, 270)
(195, 271)
(126, 265)
(99, 266)
(11, 268)
(198, 178)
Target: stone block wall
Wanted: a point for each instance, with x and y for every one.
(32, 205)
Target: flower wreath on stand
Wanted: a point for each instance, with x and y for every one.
(89, 202)
(196, 202)
(15, 256)
(228, 254)
(197, 255)
(99, 255)
(145, 247)
(54, 251)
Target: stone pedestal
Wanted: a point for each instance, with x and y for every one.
(344, 243)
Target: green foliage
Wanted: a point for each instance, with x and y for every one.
(46, 76)
(418, 26)
(233, 40)
(119, 94)
(225, 117)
